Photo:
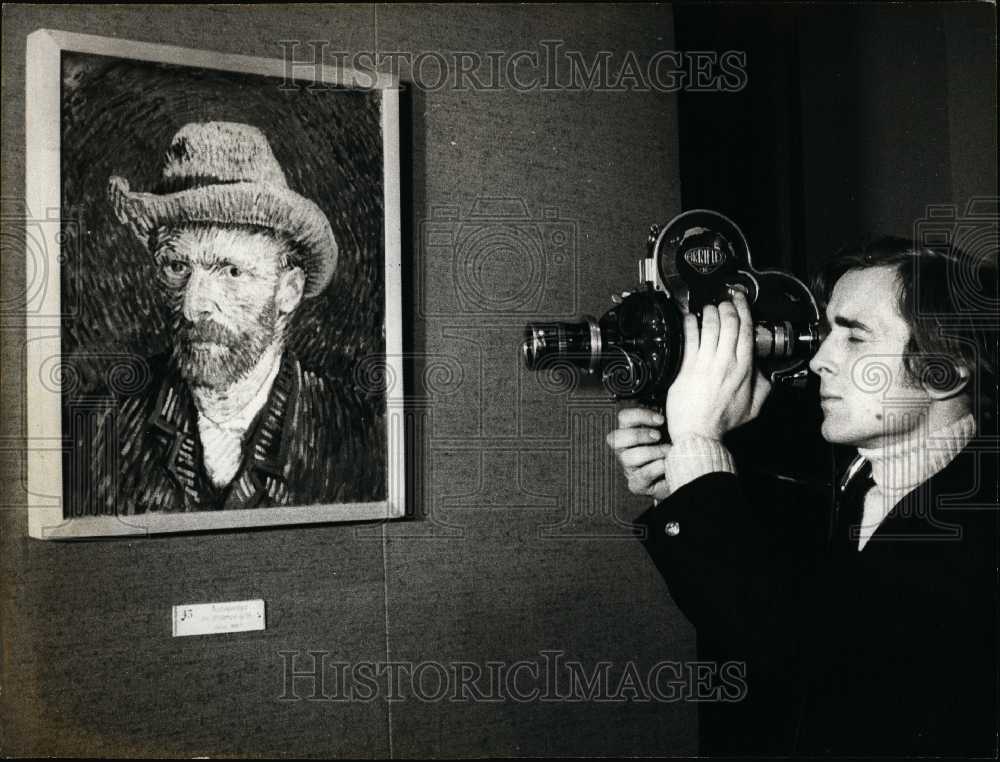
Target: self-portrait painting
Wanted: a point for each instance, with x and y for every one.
(226, 281)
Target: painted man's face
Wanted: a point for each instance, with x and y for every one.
(867, 396)
(220, 285)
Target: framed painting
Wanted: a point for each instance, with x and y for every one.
(213, 312)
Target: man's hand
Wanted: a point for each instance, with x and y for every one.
(716, 389)
(636, 442)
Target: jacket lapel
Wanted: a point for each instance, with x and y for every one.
(264, 473)
(173, 416)
(846, 519)
(918, 515)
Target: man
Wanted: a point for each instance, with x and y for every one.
(233, 421)
(887, 643)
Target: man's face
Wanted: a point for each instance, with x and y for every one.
(867, 397)
(220, 285)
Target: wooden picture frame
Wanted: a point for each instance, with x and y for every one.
(136, 355)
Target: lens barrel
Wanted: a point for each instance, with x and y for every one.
(577, 343)
(782, 341)
(585, 345)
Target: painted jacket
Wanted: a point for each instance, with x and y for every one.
(314, 441)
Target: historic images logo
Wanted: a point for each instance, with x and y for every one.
(550, 67)
(313, 676)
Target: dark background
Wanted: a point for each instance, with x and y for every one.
(855, 118)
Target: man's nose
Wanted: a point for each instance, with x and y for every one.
(822, 362)
(200, 300)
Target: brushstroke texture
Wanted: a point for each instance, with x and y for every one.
(118, 116)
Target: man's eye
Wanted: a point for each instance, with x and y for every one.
(233, 272)
(855, 340)
(176, 267)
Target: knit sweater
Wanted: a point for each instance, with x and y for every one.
(902, 466)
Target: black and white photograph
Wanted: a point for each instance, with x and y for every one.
(494, 380)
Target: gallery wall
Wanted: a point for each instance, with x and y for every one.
(519, 546)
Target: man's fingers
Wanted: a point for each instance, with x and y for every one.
(690, 342)
(648, 480)
(729, 328)
(638, 416)
(745, 340)
(709, 334)
(621, 439)
(637, 457)
(652, 471)
(761, 390)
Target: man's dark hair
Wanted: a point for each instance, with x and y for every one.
(946, 298)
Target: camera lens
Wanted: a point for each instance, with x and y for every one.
(577, 343)
(783, 340)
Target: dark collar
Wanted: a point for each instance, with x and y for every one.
(937, 508)
(265, 465)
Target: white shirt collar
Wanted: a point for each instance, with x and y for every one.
(222, 441)
(240, 421)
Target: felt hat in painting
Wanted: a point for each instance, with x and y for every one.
(226, 173)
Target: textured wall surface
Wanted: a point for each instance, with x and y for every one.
(521, 542)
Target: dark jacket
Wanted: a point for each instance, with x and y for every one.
(887, 651)
(314, 441)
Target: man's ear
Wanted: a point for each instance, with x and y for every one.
(956, 387)
(291, 285)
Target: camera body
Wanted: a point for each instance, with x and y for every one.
(699, 258)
